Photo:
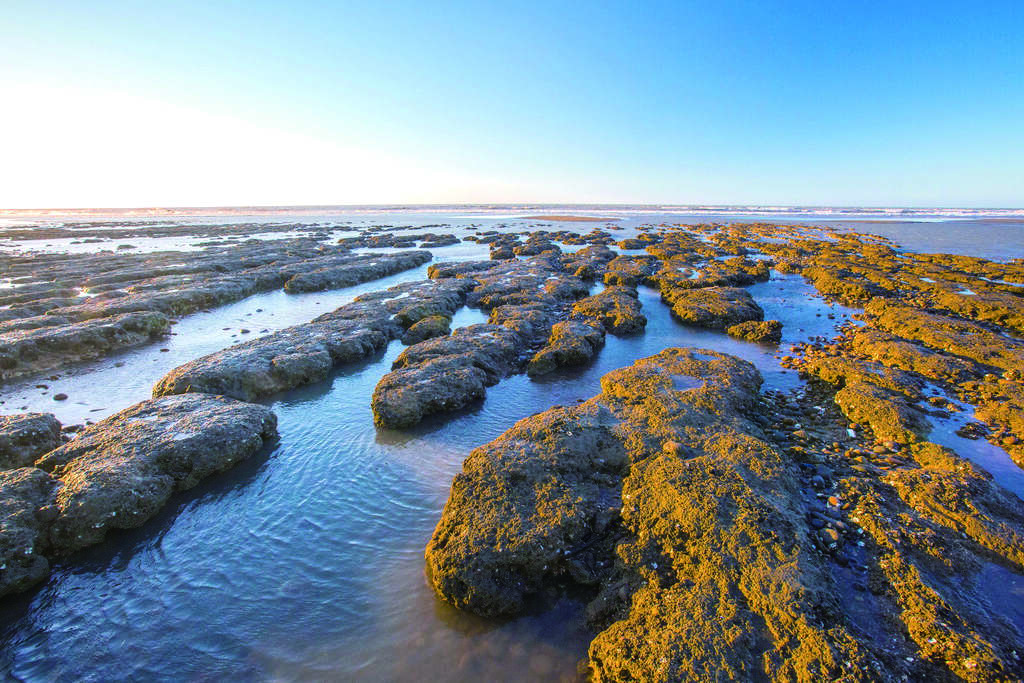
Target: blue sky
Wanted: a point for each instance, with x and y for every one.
(212, 103)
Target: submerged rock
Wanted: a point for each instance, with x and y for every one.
(23, 438)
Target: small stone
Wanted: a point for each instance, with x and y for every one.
(828, 536)
(674, 448)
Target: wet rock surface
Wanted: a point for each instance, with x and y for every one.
(25, 494)
(525, 298)
(692, 524)
(715, 307)
(306, 353)
(23, 438)
(97, 304)
(571, 343)
(759, 331)
(29, 352)
(117, 474)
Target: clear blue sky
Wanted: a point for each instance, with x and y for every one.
(876, 103)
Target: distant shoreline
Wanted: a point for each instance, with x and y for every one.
(571, 219)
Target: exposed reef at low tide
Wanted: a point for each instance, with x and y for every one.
(832, 529)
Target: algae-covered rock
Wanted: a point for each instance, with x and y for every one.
(427, 328)
(571, 343)
(23, 438)
(405, 396)
(630, 270)
(27, 352)
(728, 585)
(898, 353)
(714, 576)
(615, 307)
(444, 374)
(890, 417)
(930, 541)
(291, 357)
(306, 353)
(117, 473)
(840, 284)
(716, 307)
(588, 263)
(26, 494)
(354, 270)
(525, 509)
(951, 335)
(525, 297)
(848, 371)
(759, 331)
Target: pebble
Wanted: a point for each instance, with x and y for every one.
(828, 535)
(673, 448)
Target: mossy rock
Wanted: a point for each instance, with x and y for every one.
(758, 331)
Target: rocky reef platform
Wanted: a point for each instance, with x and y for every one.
(839, 527)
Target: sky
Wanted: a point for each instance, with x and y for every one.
(130, 104)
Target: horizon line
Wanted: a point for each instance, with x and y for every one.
(526, 205)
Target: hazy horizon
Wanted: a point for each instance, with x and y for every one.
(571, 206)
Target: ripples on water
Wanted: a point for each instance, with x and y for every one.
(307, 560)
